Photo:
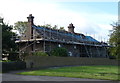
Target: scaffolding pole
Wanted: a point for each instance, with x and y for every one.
(44, 40)
(51, 39)
(85, 47)
(98, 51)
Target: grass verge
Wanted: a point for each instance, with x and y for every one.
(93, 72)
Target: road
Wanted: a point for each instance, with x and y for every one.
(11, 76)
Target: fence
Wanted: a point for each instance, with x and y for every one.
(10, 66)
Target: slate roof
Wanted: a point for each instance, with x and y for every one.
(66, 36)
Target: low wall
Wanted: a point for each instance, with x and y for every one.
(50, 61)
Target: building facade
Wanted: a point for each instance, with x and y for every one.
(45, 39)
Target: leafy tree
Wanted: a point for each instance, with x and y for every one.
(49, 26)
(62, 28)
(55, 27)
(45, 26)
(21, 27)
(115, 41)
(59, 51)
(8, 39)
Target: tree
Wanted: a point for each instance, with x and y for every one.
(114, 41)
(21, 27)
(8, 39)
(62, 28)
(48, 25)
(55, 27)
(59, 51)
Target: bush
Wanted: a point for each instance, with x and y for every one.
(40, 54)
(59, 52)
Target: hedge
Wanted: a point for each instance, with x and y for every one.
(40, 54)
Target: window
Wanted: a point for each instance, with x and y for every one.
(74, 47)
(59, 45)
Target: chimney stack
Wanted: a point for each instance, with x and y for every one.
(31, 19)
(71, 28)
(30, 28)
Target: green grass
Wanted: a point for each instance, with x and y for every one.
(5, 60)
(93, 72)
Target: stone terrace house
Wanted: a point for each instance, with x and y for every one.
(45, 39)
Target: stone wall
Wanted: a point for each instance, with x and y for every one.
(50, 61)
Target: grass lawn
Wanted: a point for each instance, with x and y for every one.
(94, 72)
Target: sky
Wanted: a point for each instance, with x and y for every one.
(90, 17)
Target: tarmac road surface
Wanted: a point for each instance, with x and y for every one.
(11, 76)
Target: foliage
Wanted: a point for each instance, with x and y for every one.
(114, 41)
(59, 51)
(62, 28)
(8, 39)
(5, 60)
(55, 27)
(45, 26)
(21, 27)
(52, 27)
(93, 72)
(40, 54)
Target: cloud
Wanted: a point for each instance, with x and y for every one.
(79, 0)
(16, 10)
(94, 24)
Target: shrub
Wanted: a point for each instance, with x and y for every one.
(40, 54)
(59, 51)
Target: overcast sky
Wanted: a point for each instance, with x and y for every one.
(90, 18)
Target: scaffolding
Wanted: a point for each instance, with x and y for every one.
(51, 35)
